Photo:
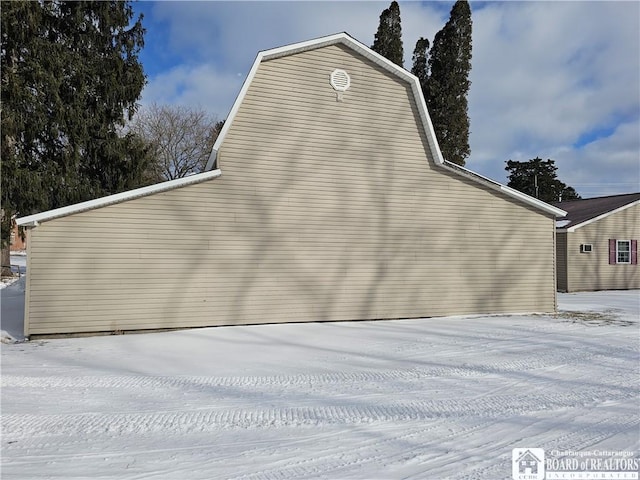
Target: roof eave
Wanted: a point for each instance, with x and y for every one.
(523, 197)
(35, 219)
(573, 228)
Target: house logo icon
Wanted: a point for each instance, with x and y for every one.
(527, 463)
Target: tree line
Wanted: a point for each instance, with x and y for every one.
(443, 69)
(71, 127)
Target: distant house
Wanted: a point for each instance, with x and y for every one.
(17, 242)
(326, 198)
(597, 244)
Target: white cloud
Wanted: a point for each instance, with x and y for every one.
(546, 76)
(605, 166)
(231, 33)
(218, 41)
(202, 86)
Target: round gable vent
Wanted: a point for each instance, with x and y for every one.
(340, 80)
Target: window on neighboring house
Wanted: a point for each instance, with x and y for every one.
(623, 252)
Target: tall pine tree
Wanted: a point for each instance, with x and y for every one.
(388, 39)
(448, 84)
(538, 179)
(70, 78)
(421, 63)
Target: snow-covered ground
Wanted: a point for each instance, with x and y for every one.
(426, 399)
(18, 266)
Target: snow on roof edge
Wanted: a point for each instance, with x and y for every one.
(33, 220)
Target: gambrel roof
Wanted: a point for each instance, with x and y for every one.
(585, 211)
(348, 41)
(212, 172)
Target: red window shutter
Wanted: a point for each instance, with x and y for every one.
(612, 251)
(634, 252)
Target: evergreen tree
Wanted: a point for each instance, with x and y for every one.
(448, 85)
(70, 77)
(388, 39)
(421, 63)
(538, 179)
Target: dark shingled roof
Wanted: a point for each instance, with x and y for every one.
(579, 211)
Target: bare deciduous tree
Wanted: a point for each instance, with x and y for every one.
(180, 138)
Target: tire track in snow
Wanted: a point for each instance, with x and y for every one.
(592, 434)
(539, 361)
(578, 440)
(327, 463)
(23, 454)
(204, 420)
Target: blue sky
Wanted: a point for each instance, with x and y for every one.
(556, 80)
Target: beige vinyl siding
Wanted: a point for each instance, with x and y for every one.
(591, 271)
(325, 210)
(561, 259)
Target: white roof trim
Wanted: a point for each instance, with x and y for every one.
(391, 67)
(599, 217)
(33, 220)
(503, 188)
